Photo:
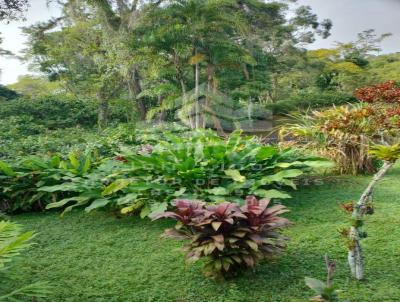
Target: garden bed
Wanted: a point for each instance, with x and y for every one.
(96, 257)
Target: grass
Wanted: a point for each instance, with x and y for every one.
(97, 257)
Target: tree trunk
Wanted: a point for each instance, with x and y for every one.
(103, 111)
(355, 255)
(210, 91)
(163, 113)
(135, 89)
(196, 96)
(179, 75)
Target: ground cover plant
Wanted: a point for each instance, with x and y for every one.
(146, 178)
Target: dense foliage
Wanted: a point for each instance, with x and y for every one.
(7, 94)
(344, 133)
(305, 100)
(174, 53)
(145, 178)
(201, 165)
(58, 124)
(230, 237)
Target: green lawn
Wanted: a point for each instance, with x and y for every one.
(97, 257)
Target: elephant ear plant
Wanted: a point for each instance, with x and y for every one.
(230, 237)
(389, 155)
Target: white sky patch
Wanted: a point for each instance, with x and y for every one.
(350, 17)
(14, 40)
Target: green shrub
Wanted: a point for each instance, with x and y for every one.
(24, 184)
(52, 112)
(230, 237)
(13, 144)
(7, 93)
(311, 99)
(202, 166)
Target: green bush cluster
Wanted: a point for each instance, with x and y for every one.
(52, 112)
(145, 178)
(311, 99)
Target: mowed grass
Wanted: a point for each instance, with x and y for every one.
(96, 257)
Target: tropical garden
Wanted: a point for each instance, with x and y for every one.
(197, 150)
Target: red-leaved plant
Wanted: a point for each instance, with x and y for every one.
(388, 92)
(229, 236)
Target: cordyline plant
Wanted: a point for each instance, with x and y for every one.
(389, 155)
(232, 238)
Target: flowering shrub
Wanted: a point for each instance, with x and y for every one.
(232, 238)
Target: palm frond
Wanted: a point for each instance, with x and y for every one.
(34, 290)
(12, 242)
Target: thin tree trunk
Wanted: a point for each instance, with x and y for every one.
(355, 255)
(210, 90)
(103, 111)
(162, 114)
(135, 89)
(179, 75)
(196, 91)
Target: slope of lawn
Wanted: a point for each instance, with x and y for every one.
(98, 257)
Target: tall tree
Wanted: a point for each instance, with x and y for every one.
(122, 16)
(77, 54)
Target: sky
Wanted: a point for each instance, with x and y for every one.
(349, 18)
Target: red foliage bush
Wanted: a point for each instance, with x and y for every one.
(229, 236)
(388, 92)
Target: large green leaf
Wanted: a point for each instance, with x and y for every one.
(290, 173)
(218, 191)
(65, 187)
(266, 152)
(65, 201)
(74, 161)
(116, 186)
(6, 169)
(280, 176)
(98, 203)
(319, 164)
(160, 207)
(235, 175)
(86, 164)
